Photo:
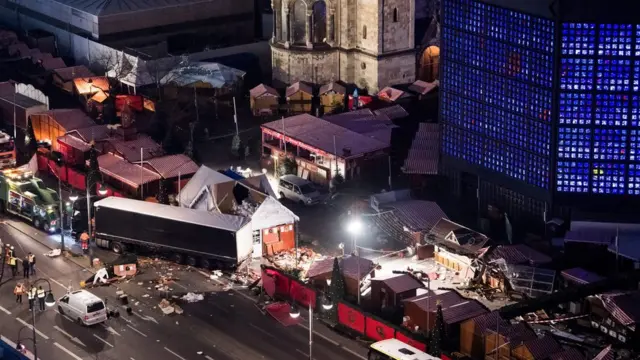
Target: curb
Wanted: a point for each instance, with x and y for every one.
(48, 246)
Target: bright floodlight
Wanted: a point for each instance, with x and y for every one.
(73, 197)
(341, 246)
(294, 312)
(326, 303)
(264, 171)
(354, 226)
(102, 190)
(49, 300)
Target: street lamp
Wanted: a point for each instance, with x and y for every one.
(73, 197)
(49, 301)
(355, 227)
(102, 191)
(295, 313)
(341, 247)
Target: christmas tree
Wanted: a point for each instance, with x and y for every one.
(337, 290)
(163, 192)
(437, 337)
(93, 173)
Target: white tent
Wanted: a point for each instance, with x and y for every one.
(272, 213)
(214, 74)
(197, 194)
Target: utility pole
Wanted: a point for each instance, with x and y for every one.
(61, 212)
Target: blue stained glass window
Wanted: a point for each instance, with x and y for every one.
(638, 40)
(635, 111)
(516, 96)
(636, 75)
(634, 145)
(476, 21)
(542, 34)
(498, 19)
(608, 178)
(541, 69)
(575, 108)
(451, 141)
(538, 171)
(452, 111)
(507, 60)
(573, 176)
(519, 29)
(615, 40)
(472, 145)
(472, 117)
(496, 89)
(612, 110)
(517, 130)
(613, 75)
(578, 39)
(576, 74)
(633, 181)
(574, 143)
(539, 104)
(452, 81)
(539, 137)
(495, 119)
(609, 144)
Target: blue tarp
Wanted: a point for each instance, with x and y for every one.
(8, 352)
(232, 174)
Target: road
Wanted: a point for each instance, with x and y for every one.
(226, 325)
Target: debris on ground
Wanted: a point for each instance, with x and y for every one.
(192, 297)
(166, 307)
(286, 260)
(54, 253)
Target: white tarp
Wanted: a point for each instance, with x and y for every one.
(272, 213)
(205, 177)
(33, 93)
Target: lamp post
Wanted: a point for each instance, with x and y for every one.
(73, 197)
(49, 301)
(355, 227)
(295, 313)
(341, 247)
(102, 191)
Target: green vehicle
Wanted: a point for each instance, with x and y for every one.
(26, 196)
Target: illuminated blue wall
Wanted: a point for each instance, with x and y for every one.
(599, 117)
(497, 90)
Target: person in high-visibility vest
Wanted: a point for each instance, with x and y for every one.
(32, 264)
(13, 262)
(40, 294)
(18, 291)
(31, 295)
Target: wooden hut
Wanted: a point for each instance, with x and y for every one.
(299, 97)
(332, 97)
(264, 100)
(50, 125)
(63, 78)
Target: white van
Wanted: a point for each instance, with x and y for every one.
(298, 189)
(84, 307)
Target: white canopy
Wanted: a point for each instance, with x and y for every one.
(272, 213)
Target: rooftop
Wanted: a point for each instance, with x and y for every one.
(299, 86)
(519, 254)
(581, 276)
(624, 307)
(348, 267)
(490, 322)
(92, 133)
(366, 122)
(74, 142)
(133, 150)
(263, 89)
(424, 154)
(69, 119)
(204, 178)
(114, 7)
(399, 218)
(172, 166)
(319, 134)
(400, 283)
(215, 220)
(73, 72)
(52, 63)
(90, 85)
(332, 87)
(423, 87)
(21, 101)
(392, 94)
(455, 307)
(122, 170)
(542, 347)
(214, 74)
(457, 237)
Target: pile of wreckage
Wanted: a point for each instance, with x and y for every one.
(287, 260)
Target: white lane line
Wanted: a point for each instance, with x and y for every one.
(174, 354)
(140, 316)
(29, 355)
(101, 339)
(110, 329)
(31, 328)
(63, 315)
(5, 310)
(127, 320)
(180, 285)
(262, 330)
(67, 351)
(59, 283)
(71, 337)
(304, 353)
(208, 357)
(136, 330)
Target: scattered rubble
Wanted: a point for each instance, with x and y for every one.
(54, 253)
(286, 260)
(192, 297)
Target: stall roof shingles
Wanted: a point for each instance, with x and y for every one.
(69, 119)
(424, 154)
(393, 112)
(581, 276)
(448, 232)
(568, 354)
(114, 7)
(519, 254)
(319, 133)
(455, 308)
(490, 322)
(299, 86)
(263, 89)
(332, 86)
(624, 307)
(171, 166)
(73, 72)
(541, 348)
(122, 170)
(92, 133)
(74, 142)
(400, 283)
(606, 354)
(53, 63)
(348, 267)
(90, 85)
(130, 150)
(423, 87)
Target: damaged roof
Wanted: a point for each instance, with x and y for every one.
(348, 267)
(624, 307)
(519, 254)
(457, 237)
(455, 307)
(399, 283)
(401, 218)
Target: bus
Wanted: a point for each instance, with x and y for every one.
(394, 349)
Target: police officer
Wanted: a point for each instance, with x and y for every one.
(31, 295)
(40, 294)
(18, 291)
(13, 263)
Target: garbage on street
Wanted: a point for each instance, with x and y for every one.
(192, 297)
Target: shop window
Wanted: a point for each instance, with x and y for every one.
(256, 237)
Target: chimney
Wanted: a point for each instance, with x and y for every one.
(346, 151)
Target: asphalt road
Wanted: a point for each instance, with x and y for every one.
(226, 325)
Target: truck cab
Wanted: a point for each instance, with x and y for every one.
(7, 151)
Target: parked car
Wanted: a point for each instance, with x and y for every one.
(299, 190)
(83, 307)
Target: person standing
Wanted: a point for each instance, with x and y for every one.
(13, 263)
(25, 267)
(31, 295)
(32, 264)
(40, 294)
(18, 291)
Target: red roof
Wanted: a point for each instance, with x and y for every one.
(400, 283)
(455, 307)
(297, 87)
(624, 307)
(542, 348)
(263, 89)
(74, 142)
(606, 354)
(519, 254)
(73, 72)
(69, 119)
(171, 166)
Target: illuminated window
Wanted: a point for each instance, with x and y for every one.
(608, 178)
(635, 111)
(578, 39)
(451, 141)
(613, 75)
(638, 40)
(634, 145)
(538, 171)
(472, 116)
(541, 69)
(576, 74)
(572, 176)
(540, 104)
(609, 144)
(497, 18)
(575, 109)
(451, 109)
(574, 143)
(612, 110)
(476, 20)
(633, 182)
(495, 119)
(615, 40)
(636, 76)
(539, 137)
(472, 147)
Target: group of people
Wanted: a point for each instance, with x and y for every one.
(28, 263)
(32, 294)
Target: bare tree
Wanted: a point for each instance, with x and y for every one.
(116, 65)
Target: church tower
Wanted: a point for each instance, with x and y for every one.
(369, 43)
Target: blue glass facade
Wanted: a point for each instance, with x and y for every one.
(598, 123)
(497, 90)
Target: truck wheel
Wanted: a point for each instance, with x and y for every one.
(191, 261)
(177, 258)
(205, 264)
(37, 223)
(118, 248)
(46, 227)
(282, 198)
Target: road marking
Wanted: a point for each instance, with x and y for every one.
(138, 315)
(67, 351)
(127, 320)
(180, 285)
(136, 330)
(29, 355)
(304, 353)
(262, 330)
(146, 317)
(5, 310)
(208, 357)
(101, 339)
(320, 335)
(176, 355)
(63, 315)
(71, 337)
(110, 329)
(59, 283)
(31, 328)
